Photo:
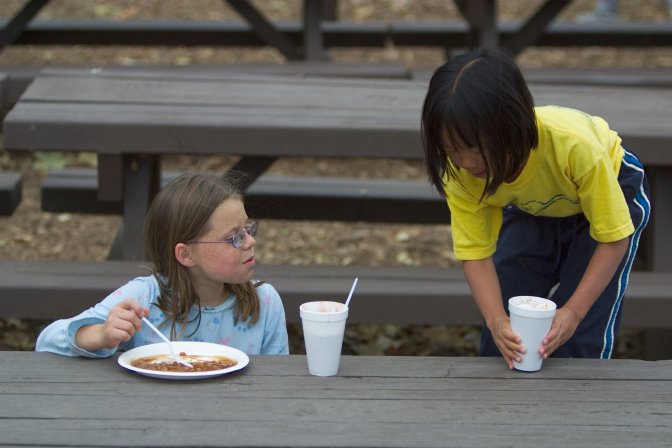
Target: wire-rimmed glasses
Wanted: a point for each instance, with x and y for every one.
(238, 239)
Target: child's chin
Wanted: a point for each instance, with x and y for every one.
(247, 277)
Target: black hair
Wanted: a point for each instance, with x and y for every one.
(482, 98)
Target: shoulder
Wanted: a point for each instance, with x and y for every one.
(574, 137)
(268, 294)
(565, 120)
(271, 303)
(572, 125)
(143, 289)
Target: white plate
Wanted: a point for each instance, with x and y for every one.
(190, 348)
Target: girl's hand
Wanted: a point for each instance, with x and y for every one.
(564, 325)
(507, 341)
(123, 321)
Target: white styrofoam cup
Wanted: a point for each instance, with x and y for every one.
(531, 319)
(323, 330)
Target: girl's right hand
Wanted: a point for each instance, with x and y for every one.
(123, 321)
(507, 341)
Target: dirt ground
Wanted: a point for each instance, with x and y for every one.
(32, 235)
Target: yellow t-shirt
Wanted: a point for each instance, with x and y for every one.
(573, 170)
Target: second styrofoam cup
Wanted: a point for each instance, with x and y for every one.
(531, 319)
(323, 330)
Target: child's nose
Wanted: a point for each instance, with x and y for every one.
(249, 241)
(469, 160)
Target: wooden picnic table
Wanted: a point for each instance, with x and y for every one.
(50, 400)
(132, 119)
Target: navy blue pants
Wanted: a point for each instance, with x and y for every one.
(534, 254)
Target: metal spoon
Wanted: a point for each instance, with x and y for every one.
(170, 344)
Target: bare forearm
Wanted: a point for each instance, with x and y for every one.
(484, 284)
(599, 273)
(90, 338)
(482, 278)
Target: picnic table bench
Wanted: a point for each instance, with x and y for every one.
(75, 190)
(319, 30)
(385, 295)
(46, 290)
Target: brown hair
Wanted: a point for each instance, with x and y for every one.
(179, 213)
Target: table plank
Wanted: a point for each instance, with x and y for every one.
(236, 433)
(349, 118)
(374, 401)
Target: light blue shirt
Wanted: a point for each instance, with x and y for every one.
(267, 337)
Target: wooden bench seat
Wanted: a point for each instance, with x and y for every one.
(278, 197)
(340, 34)
(396, 295)
(11, 191)
(385, 295)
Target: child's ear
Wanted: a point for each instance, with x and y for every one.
(183, 255)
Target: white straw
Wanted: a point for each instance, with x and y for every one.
(351, 291)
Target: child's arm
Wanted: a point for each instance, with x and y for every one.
(484, 284)
(60, 336)
(600, 271)
(123, 321)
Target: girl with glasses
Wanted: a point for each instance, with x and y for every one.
(200, 245)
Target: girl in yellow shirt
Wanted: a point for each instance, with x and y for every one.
(543, 201)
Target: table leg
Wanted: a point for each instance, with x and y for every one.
(141, 183)
(482, 18)
(18, 24)
(535, 27)
(657, 344)
(110, 177)
(313, 39)
(265, 29)
(658, 244)
(251, 167)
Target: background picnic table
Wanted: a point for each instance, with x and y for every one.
(32, 234)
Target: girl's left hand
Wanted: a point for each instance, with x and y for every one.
(563, 327)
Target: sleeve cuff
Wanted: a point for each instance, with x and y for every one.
(74, 327)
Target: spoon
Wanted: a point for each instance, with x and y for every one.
(170, 344)
(347, 302)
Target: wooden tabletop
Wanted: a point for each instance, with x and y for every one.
(50, 400)
(116, 112)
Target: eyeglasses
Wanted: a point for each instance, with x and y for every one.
(238, 239)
